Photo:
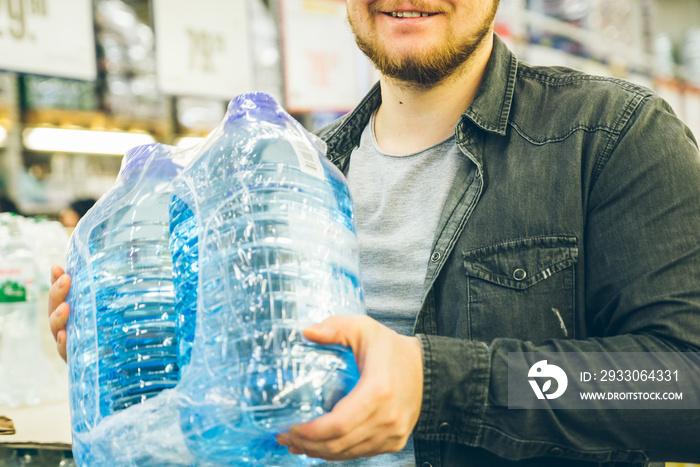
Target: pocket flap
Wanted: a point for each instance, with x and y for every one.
(522, 263)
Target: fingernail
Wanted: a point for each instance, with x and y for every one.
(62, 281)
(283, 439)
(293, 450)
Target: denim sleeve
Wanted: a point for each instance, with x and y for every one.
(642, 294)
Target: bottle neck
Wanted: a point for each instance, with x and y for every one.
(256, 106)
(156, 159)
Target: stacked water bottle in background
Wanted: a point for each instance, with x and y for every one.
(19, 332)
(27, 246)
(261, 231)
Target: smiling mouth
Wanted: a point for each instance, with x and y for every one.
(409, 14)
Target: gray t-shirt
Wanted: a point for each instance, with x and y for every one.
(398, 201)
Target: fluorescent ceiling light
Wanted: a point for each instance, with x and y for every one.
(83, 141)
(3, 135)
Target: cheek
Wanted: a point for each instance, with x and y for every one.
(356, 12)
(353, 17)
(361, 22)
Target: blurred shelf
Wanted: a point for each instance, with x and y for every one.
(5, 115)
(526, 24)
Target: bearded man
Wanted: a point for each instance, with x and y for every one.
(502, 209)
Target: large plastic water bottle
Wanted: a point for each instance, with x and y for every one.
(277, 252)
(121, 330)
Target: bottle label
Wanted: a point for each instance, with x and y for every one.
(12, 291)
(308, 157)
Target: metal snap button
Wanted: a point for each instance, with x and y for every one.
(444, 427)
(435, 257)
(426, 464)
(519, 274)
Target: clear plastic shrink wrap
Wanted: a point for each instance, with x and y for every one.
(121, 329)
(261, 231)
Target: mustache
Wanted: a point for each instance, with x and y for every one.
(379, 6)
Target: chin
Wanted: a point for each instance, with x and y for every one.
(408, 52)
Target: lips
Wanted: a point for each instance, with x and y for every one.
(409, 14)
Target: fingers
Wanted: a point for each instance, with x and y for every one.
(343, 330)
(60, 285)
(56, 272)
(350, 412)
(349, 431)
(61, 344)
(59, 319)
(368, 447)
(58, 308)
(334, 450)
(379, 414)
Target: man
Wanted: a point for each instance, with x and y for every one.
(75, 211)
(501, 208)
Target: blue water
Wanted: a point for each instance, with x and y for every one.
(183, 246)
(277, 251)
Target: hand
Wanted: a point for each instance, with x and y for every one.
(379, 414)
(58, 308)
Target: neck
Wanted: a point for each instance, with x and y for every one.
(412, 118)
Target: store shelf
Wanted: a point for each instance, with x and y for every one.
(45, 426)
(528, 33)
(523, 21)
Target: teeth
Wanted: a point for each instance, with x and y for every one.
(408, 14)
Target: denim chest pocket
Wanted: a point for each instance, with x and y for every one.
(522, 289)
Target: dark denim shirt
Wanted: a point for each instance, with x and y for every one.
(584, 198)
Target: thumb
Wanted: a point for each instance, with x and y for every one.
(343, 330)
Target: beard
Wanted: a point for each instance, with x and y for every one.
(431, 66)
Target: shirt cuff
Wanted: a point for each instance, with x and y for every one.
(455, 387)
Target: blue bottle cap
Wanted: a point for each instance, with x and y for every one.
(155, 157)
(255, 104)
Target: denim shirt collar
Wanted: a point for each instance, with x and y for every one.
(492, 104)
(489, 110)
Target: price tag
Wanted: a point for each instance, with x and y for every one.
(48, 37)
(202, 47)
(320, 75)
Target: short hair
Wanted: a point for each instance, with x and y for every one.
(82, 206)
